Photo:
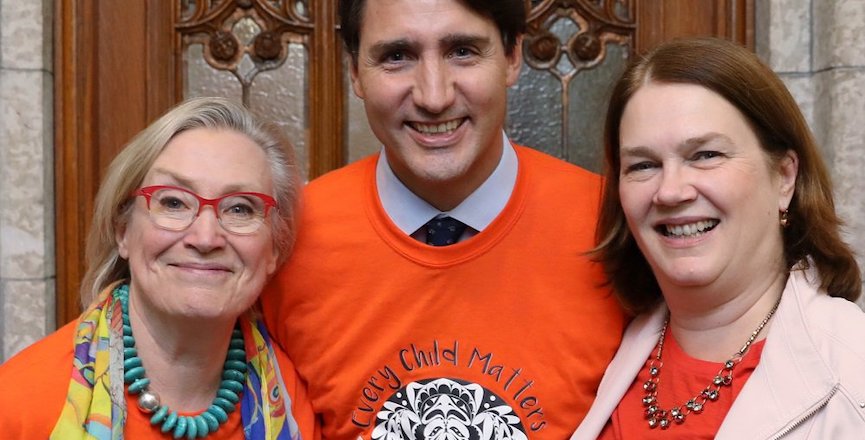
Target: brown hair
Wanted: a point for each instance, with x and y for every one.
(126, 172)
(759, 94)
(508, 15)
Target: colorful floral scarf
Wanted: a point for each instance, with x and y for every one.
(95, 405)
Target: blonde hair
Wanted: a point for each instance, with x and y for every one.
(113, 203)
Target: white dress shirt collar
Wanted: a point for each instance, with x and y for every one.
(409, 212)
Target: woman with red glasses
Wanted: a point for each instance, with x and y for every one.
(193, 217)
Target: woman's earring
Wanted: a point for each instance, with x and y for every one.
(785, 218)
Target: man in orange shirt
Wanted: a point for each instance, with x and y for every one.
(441, 288)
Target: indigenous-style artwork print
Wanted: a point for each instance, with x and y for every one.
(447, 409)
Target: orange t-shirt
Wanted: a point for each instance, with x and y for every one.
(681, 378)
(33, 386)
(507, 331)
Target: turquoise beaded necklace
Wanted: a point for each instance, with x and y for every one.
(233, 376)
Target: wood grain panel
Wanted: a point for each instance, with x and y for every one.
(113, 63)
(74, 156)
(664, 20)
(120, 98)
(327, 150)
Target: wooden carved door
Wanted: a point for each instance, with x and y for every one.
(121, 63)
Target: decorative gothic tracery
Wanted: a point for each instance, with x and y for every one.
(566, 39)
(572, 51)
(244, 37)
(598, 23)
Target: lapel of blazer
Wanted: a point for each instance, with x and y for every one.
(639, 340)
(791, 380)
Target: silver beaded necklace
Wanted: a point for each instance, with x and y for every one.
(658, 417)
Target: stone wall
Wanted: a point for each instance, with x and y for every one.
(818, 48)
(26, 174)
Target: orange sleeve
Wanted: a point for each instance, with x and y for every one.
(33, 386)
(301, 407)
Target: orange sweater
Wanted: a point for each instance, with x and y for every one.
(506, 331)
(33, 386)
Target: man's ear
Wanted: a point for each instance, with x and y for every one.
(515, 62)
(355, 80)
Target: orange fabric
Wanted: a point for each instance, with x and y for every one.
(35, 381)
(369, 315)
(682, 377)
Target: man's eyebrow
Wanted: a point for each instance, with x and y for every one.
(379, 49)
(452, 40)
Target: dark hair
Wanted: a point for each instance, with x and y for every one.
(508, 15)
(756, 91)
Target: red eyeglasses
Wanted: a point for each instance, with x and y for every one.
(175, 209)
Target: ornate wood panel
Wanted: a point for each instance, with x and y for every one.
(112, 76)
(119, 64)
(248, 37)
(573, 50)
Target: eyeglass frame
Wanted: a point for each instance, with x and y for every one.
(148, 191)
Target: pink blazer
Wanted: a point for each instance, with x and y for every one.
(809, 384)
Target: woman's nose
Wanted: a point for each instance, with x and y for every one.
(674, 187)
(205, 233)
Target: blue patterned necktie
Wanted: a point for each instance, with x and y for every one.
(443, 231)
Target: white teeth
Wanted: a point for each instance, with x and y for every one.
(444, 127)
(690, 230)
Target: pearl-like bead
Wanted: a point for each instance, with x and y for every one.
(148, 401)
